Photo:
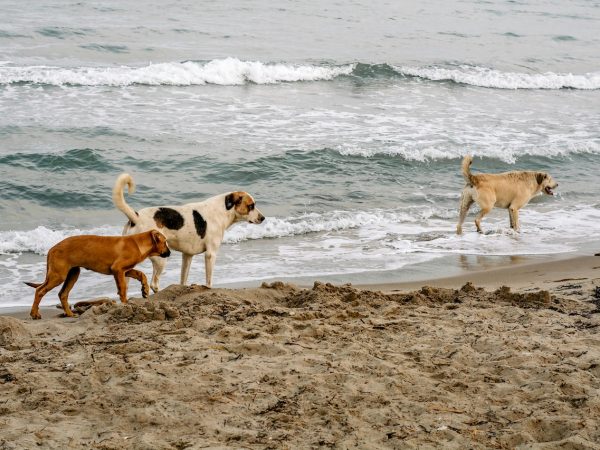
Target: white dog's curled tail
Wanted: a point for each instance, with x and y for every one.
(466, 169)
(119, 198)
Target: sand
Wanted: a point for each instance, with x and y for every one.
(280, 366)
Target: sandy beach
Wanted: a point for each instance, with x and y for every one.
(460, 363)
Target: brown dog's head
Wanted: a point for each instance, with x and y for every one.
(160, 246)
(546, 183)
(244, 207)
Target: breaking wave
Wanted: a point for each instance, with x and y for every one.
(232, 71)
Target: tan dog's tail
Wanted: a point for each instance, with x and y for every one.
(466, 169)
(119, 198)
(33, 285)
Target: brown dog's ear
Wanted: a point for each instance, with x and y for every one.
(233, 199)
(155, 236)
(540, 176)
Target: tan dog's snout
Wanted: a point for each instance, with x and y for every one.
(547, 183)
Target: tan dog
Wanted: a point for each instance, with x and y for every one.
(110, 255)
(510, 190)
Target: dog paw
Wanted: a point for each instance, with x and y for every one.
(36, 316)
(145, 291)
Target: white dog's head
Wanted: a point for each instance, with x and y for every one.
(546, 183)
(244, 206)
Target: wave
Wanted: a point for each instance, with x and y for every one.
(232, 71)
(41, 239)
(228, 71)
(491, 78)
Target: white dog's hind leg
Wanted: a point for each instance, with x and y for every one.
(158, 265)
(209, 261)
(466, 200)
(186, 262)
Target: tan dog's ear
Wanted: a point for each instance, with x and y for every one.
(540, 176)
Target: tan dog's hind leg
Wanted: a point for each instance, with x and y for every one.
(141, 277)
(158, 265)
(121, 285)
(63, 295)
(466, 200)
(186, 262)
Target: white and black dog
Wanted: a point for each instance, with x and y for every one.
(191, 229)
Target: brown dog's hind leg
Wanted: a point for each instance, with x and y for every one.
(63, 295)
(52, 280)
(121, 285)
(141, 277)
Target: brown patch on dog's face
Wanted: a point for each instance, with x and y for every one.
(546, 182)
(160, 244)
(245, 207)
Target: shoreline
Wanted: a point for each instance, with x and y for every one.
(520, 276)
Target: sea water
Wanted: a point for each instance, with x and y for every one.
(346, 121)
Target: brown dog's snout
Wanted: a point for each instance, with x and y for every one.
(166, 253)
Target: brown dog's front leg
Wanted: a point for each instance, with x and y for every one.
(141, 277)
(121, 285)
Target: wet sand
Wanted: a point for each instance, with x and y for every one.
(463, 363)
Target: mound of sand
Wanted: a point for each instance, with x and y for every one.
(283, 367)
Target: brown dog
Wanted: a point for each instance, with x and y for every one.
(510, 190)
(110, 255)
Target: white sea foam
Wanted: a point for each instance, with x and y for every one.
(490, 78)
(232, 71)
(316, 245)
(228, 71)
(42, 239)
(506, 153)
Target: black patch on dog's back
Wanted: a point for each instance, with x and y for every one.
(200, 224)
(168, 217)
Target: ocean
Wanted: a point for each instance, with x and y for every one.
(347, 122)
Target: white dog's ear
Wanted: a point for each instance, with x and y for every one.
(540, 177)
(233, 199)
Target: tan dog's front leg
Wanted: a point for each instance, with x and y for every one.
(480, 216)
(513, 213)
(141, 277)
(121, 285)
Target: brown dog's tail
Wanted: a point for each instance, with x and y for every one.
(119, 198)
(466, 169)
(33, 285)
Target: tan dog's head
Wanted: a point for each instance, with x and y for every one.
(546, 183)
(159, 247)
(244, 206)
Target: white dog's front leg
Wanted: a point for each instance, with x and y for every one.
(186, 262)
(158, 265)
(209, 261)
